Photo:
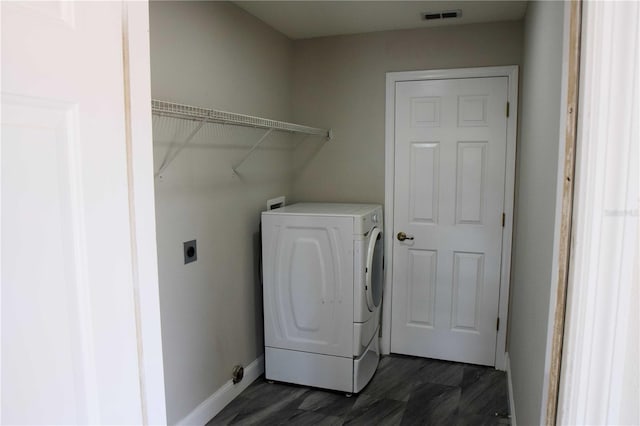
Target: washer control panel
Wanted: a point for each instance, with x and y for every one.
(371, 220)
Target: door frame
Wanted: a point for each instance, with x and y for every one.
(142, 210)
(511, 72)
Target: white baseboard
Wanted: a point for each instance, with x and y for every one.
(512, 404)
(223, 396)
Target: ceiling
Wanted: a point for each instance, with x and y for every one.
(313, 18)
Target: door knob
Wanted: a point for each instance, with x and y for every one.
(403, 236)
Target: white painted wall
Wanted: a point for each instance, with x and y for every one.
(339, 82)
(215, 55)
(536, 184)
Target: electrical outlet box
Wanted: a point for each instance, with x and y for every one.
(190, 251)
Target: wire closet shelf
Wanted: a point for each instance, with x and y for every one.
(205, 115)
(187, 112)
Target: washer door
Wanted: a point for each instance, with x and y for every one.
(373, 271)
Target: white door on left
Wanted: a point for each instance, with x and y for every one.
(69, 337)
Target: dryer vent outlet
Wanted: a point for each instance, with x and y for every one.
(237, 374)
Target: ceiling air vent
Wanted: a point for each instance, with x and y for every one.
(446, 14)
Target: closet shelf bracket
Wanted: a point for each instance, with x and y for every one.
(170, 156)
(248, 154)
(204, 115)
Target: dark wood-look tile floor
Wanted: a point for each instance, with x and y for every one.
(404, 391)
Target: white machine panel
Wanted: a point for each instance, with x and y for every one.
(365, 366)
(310, 369)
(308, 283)
(365, 216)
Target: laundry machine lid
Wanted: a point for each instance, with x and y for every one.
(374, 273)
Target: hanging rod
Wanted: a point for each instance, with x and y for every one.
(204, 115)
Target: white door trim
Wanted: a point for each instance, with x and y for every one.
(599, 367)
(511, 72)
(142, 216)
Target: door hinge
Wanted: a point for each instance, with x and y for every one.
(504, 218)
(498, 324)
(507, 109)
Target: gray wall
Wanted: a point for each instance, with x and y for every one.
(215, 55)
(339, 82)
(537, 163)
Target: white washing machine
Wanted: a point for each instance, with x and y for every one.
(322, 290)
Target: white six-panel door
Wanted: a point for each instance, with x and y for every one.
(450, 150)
(70, 347)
